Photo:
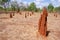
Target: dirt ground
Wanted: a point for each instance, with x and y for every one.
(21, 28)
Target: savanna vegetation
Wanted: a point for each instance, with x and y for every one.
(7, 5)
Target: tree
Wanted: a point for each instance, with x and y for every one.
(38, 10)
(14, 6)
(23, 6)
(57, 9)
(1, 8)
(32, 7)
(50, 7)
(3, 3)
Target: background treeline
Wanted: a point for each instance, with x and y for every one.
(8, 5)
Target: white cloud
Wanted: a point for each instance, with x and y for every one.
(29, 3)
(19, 0)
(40, 4)
(58, 0)
(43, 5)
(52, 0)
(25, 2)
(12, 0)
(36, 2)
(39, 0)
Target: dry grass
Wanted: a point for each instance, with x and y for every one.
(21, 28)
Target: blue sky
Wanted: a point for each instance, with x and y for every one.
(41, 3)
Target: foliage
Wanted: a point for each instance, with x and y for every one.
(2, 3)
(57, 9)
(14, 6)
(32, 7)
(22, 7)
(1, 8)
(50, 7)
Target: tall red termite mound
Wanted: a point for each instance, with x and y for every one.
(43, 22)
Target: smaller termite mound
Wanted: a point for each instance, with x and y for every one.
(20, 13)
(32, 12)
(25, 15)
(11, 16)
(55, 15)
(28, 13)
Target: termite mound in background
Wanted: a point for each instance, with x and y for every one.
(11, 16)
(13, 13)
(55, 14)
(25, 15)
(20, 13)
